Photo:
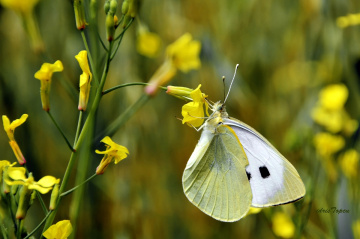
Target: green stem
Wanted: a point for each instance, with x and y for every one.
(78, 126)
(18, 232)
(128, 84)
(93, 67)
(42, 203)
(102, 43)
(62, 133)
(3, 231)
(74, 188)
(82, 136)
(120, 37)
(38, 226)
(129, 112)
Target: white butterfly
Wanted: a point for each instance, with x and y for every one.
(233, 168)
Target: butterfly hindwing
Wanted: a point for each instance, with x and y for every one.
(273, 179)
(215, 179)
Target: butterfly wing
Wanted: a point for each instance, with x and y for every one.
(273, 179)
(214, 179)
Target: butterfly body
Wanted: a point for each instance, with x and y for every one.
(233, 168)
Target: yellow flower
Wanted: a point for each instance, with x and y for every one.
(4, 165)
(333, 97)
(44, 75)
(183, 54)
(114, 152)
(283, 225)
(60, 230)
(327, 144)
(332, 120)
(147, 43)
(253, 210)
(356, 229)
(20, 6)
(193, 112)
(16, 176)
(85, 80)
(10, 127)
(349, 20)
(349, 163)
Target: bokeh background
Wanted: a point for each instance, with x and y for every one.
(288, 52)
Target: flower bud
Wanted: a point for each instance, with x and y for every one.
(125, 7)
(107, 6)
(24, 202)
(110, 26)
(54, 195)
(79, 14)
(113, 6)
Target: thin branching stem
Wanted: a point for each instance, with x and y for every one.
(76, 187)
(129, 84)
(38, 226)
(61, 132)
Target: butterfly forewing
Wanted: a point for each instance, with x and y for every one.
(272, 178)
(215, 179)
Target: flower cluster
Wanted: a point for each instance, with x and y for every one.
(181, 55)
(330, 113)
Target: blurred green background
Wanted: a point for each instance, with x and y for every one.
(287, 50)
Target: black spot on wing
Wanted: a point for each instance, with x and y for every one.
(264, 172)
(248, 175)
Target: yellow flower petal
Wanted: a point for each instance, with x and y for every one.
(327, 144)
(184, 53)
(10, 127)
(349, 163)
(60, 230)
(22, 6)
(83, 61)
(114, 152)
(17, 173)
(193, 112)
(333, 97)
(47, 181)
(47, 69)
(148, 43)
(283, 225)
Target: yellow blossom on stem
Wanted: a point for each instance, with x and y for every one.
(349, 163)
(4, 165)
(147, 43)
(193, 112)
(327, 144)
(85, 80)
(60, 230)
(253, 210)
(330, 113)
(182, 55)
(44, 75)
(10, 129)
(113, 153)
(16, 176)
(20, 6)
(282, 225)
(349, 20)
(333, 97)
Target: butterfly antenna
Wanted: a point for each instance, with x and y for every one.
(223, 79)
(236, 67)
